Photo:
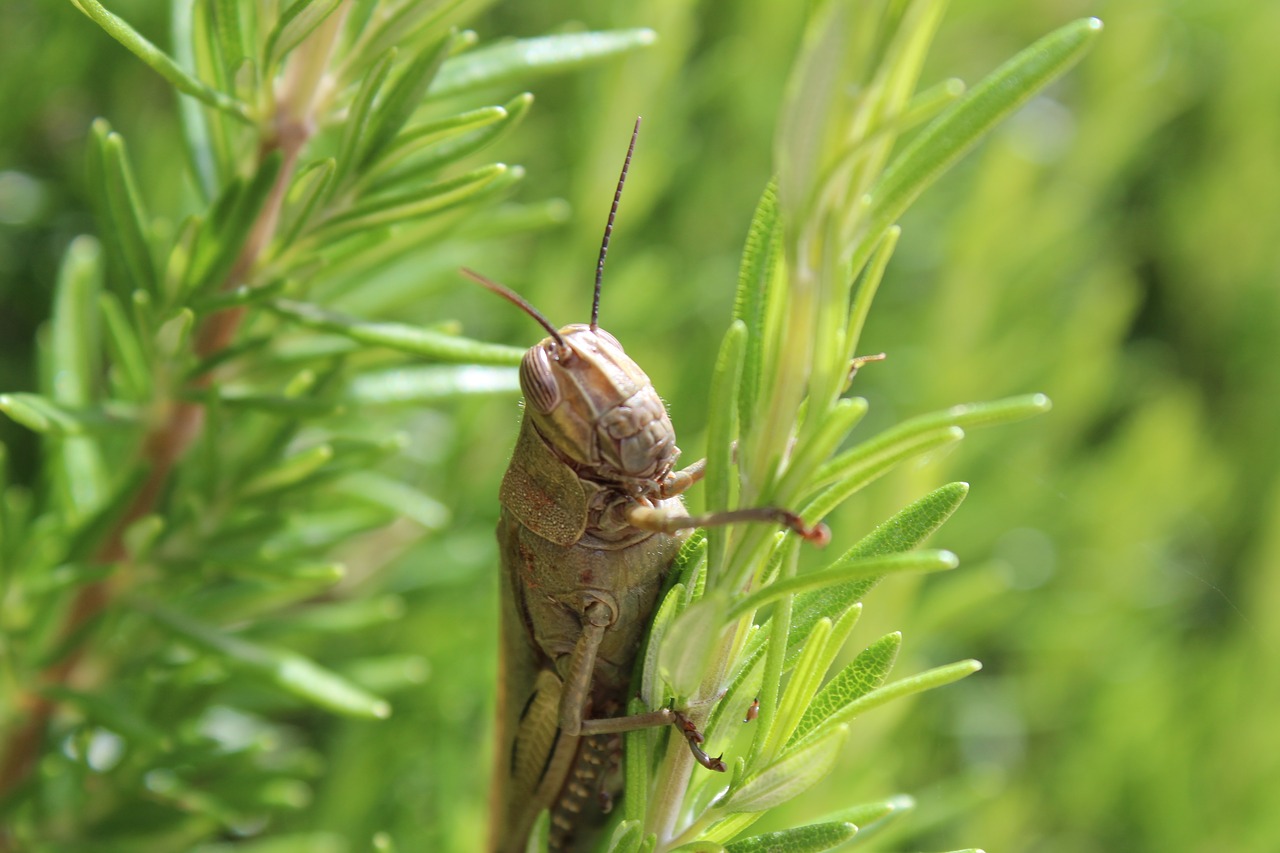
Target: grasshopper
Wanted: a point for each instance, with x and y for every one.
(591, 522)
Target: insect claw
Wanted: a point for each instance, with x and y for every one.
(819, 535)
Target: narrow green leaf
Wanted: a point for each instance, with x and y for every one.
(400, 498)
(398, 336)
(844, 571)
(42, 415)
(289, 471)
(278, 404)
(127, 219)
(516, 61)
(806, 676)
(792, 775)
(140, 536)
(868, 283)
(231, 45)
(865, 673)
(744, 686)
(540, 834)
(195, 128)
(80, 472)
(429, 384)
(173, 335)
(401, 100)
(395, 208)
(651, 690)
(159, 61)
(514, 218)
(966, 416)
(312, 184)
(388, 673)
(726, 379)
(244, 600)
(635, 768)
(760, 258)
(688, 643)
(869, 463)
(221, 242)
(295, 24)
(239, 297)
(813, 838)
(127, 353)
(455, 148)
(288, 670)
(873, 815)
(356, 127)
(902, 532)
(958, 129)
(74, 330)
(927, 680)
(828, 435)
(313, 533)
(420, 136)
(626, 837)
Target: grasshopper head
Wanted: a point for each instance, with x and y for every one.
(597, 409)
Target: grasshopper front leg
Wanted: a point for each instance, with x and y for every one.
(677, 482)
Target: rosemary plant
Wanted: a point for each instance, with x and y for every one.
(198, 462)
(743, 628)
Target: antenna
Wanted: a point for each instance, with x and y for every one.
(517, 300)
(608, 228)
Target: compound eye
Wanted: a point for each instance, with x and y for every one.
(538, 381)
(608, 338)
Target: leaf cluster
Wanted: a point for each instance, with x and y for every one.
(743, 627)
(201, 457)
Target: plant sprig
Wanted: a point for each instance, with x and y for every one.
(817, 248)
(198, 469)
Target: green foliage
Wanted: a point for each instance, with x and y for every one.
(1110, 244)
(782, 369)
(170, 583)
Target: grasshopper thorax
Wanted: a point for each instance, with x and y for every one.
(597, 409)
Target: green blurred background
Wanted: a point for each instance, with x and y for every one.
(1115, 245)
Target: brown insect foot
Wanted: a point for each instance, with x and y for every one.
(694, 738)
(818, 535)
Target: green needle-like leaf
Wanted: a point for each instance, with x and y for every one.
(291, 672)
(516, 60)
(414, 386)
(159, 61)
(399, 103)
(396, 208)
(927, 680)
(842, 572)
(725, 385)
(126, 223)
(813, 838)
(957, 130)
(73, 365)
(297, 22)
(397, 336)
(902, 532)
(40, 414)
(867, 672)
(787, 777)
(457, 146)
